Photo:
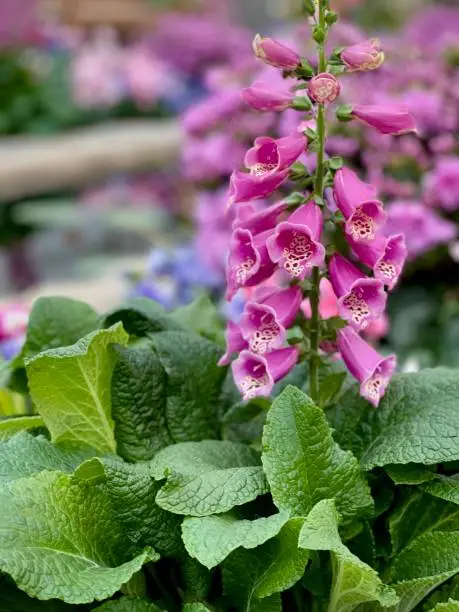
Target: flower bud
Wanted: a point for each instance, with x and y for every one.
(367, 55)
(324, 88)
(274, 53)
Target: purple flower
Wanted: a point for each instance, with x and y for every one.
(263, 325)
(360, 299)
(211, 157)
(442, 185)
(234, 342)
(263, 97)
(257, 221)
(215, 109)
(386, 256)
(295, 245)
(248, 261)
(324, 88)
(366, 365)
(255, 375)
(366, 55)
(275, 54)
(392, 119)
(245, 187)
(423, 228)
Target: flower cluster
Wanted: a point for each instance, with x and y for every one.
(286, 256)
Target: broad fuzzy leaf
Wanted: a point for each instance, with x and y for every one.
(304, 465)
(410, 473)
(449, 606)
(8, 427)
(416, 422)
(25, 455)
(71, 389)
(201, 316)
(141, 316)
(211, 539)
(250, 575)
(195, 607)
(70, 547)
(354, 582)
(208, 477)
(139, 400)
(132, 491)
(128, 604)
(444, 487)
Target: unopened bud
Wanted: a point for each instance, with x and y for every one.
(324, 88)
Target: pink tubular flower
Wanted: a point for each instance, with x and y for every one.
(364, 215)
(324, 88)
(263, 97)
(248, 261)
(377, 329)
(234, 342)
(361, 299)
(386, 256)
(274, 53)
(255, 375)
(366, 365)
(13, 321)
(257, 221)
(263, 325)
(392, 119)
(366, 55)
(245, 187)
(295, 243)
(328, 302)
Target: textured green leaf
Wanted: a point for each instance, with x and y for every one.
(274, 567)
(197, 579)
(426, 563)
(201, 316)
(139, 400)
(13, 599)
(12, 404)
(25, 455)
(70, 547)
(416, 422)
(9, 427)
(132, 491)
(195, 607)
(208, 477)
(141, 316)
(304, 465)
(330, 387)
(449, 606)
(194, 384)
(211, 539)
(71, 389)
(56, 322)
(128, 604)
(354, 582)
(410, 473)
(450, 590)
(418, 514)
(444, 487)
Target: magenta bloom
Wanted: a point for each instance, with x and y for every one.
(442, 185)
(263, 325)
(386, 256)
(270, 155)
(364, 215)
(274, 53)
(366, 55)
(360, 299)
(13, 321)
(324, 88)
(234, 342)
(255, 375)
(366, 365)
(392, 119)
(248, 261)
(328, 302)
(245, 187)
(257, 221)
(377, 329)
(295, 244)
(263, 97)
(215, 109)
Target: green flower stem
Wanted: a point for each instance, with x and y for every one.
(318, 192)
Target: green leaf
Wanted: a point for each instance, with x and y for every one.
(194, 384)
(274, 567)
(450, 606)
(71, 546)
(354, 582)
(12, 404)
(15, 600)
(139, 399)
(9, 427)
(330, 387)
(211, 539)
(450, 590)
(141, 316)
(195, 607)
(208, 477)
(444, 487)
(128, 604)
(25, 455)
(304, 465)
(71, 389)
(426, 563)
(132, 491)
(410, 473)
(416, 422)
(201, 316)
(418, 514)
(57, 321)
